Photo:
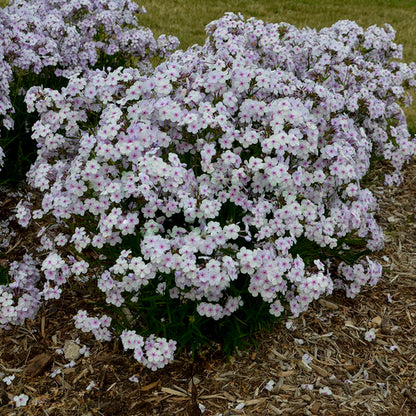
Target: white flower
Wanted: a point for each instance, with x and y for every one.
(326, 391)
(290, 325)
(21, 400)
(90, 386)
(8, 380)
(370, 335)
(85, 351)
(134, 379)
(240, 406)
(70, 364)
(55, 372)
(269, 385)
(307, 359)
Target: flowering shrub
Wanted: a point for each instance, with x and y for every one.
(43, 41)
(222, 189)
(5, 104)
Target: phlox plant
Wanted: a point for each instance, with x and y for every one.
(223, 190)
(43, 41)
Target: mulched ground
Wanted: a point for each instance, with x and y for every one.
(347, 375)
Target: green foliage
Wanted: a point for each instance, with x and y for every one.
(348, 250)
(178, 319)
(155, 312)
(17, 143)
(4, 275)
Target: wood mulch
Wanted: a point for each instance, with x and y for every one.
(317, 364)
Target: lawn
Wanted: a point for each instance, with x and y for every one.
(187, 19)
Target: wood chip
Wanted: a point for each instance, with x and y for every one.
(174, 392)
(377, 321)
(321, 371)
(315, 407)
(37, 365)
(254, 402)
(329, 305)
(151, 386)
(82, 374)
(286, 373)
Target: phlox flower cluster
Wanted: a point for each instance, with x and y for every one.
(98, 326)
(66, 37)
(234, 170)
(20, 299)
(74, 34)
(6, 76)
(154, 352)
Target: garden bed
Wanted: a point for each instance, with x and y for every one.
(348, 375)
